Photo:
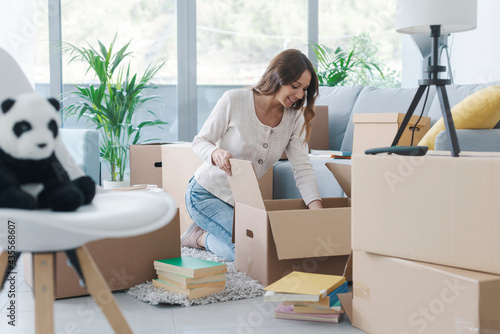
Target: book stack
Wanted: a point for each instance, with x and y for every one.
(189, 276)
(307, 296)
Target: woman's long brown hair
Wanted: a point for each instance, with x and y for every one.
(284, 69)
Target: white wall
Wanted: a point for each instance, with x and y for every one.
(475, 54)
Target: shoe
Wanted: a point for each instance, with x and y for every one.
(190, 236)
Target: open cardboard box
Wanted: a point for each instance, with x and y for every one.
(435, 208)
(379, 129)
(170, 166)
(393, 295)
(275, 237)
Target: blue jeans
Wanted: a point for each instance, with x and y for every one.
(214, 216)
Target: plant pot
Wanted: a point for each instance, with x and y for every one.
(108, 184)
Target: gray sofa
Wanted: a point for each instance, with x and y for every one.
(344, 102)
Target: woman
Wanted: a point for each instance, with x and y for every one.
(255, 124)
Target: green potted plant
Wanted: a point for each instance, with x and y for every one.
(336, 65)
(111, 105)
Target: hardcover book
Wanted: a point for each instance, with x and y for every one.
(184, 280)
(190, 267)
(323, 303)
(192, 285)
(328, 302)
(316, 286)
(286, 312)
(191, 293)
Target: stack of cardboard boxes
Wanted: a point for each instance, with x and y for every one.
(425, 238)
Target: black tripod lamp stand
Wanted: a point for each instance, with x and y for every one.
(434, 17)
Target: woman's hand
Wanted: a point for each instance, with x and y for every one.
(220, 158)
(315, 205)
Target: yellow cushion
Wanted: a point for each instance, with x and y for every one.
(480, 110)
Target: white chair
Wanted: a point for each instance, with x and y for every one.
(111, 214)
(42, 232)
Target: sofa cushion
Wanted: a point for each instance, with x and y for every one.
(475, 140)
(384, 100)
(284, 183)
(480, 110)
(456, 93)
(340, 101)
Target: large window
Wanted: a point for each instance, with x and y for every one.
(236, 39)
(150, 26)
(25, 35)
(341, 21)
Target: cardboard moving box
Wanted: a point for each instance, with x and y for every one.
(379, 130)
(320, 132)
(171, 166)
(398, 296)
(275, 237)
(435, 208)
(123, 262)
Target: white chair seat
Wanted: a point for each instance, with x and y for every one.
(111, 214)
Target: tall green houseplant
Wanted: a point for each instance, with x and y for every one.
(336, 65)
(111, 105)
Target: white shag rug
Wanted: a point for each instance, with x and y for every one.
(238, 285)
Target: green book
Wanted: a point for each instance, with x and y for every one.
(190, 267)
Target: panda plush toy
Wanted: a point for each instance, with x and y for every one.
(29, 127)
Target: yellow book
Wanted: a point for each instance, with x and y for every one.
(317, 310)
(322, 303)
(287, 312)
(191, 293)
(297, 282)
(192, 285)
(188, 280)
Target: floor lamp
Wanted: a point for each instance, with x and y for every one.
(434, 17)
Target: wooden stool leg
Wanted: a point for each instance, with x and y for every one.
(43, 280)
(4, 259)
(99, 289)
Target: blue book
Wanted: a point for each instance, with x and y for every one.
(334, 299)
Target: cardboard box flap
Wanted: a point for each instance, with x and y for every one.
(244, 184)
(346, 301)
(306, 233)
(388, 118)
(342, 173)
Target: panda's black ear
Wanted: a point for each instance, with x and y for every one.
(7, 105)
(55, 103)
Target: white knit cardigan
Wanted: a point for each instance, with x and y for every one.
(233, 126)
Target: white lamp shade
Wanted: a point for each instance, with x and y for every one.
(416, 16)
